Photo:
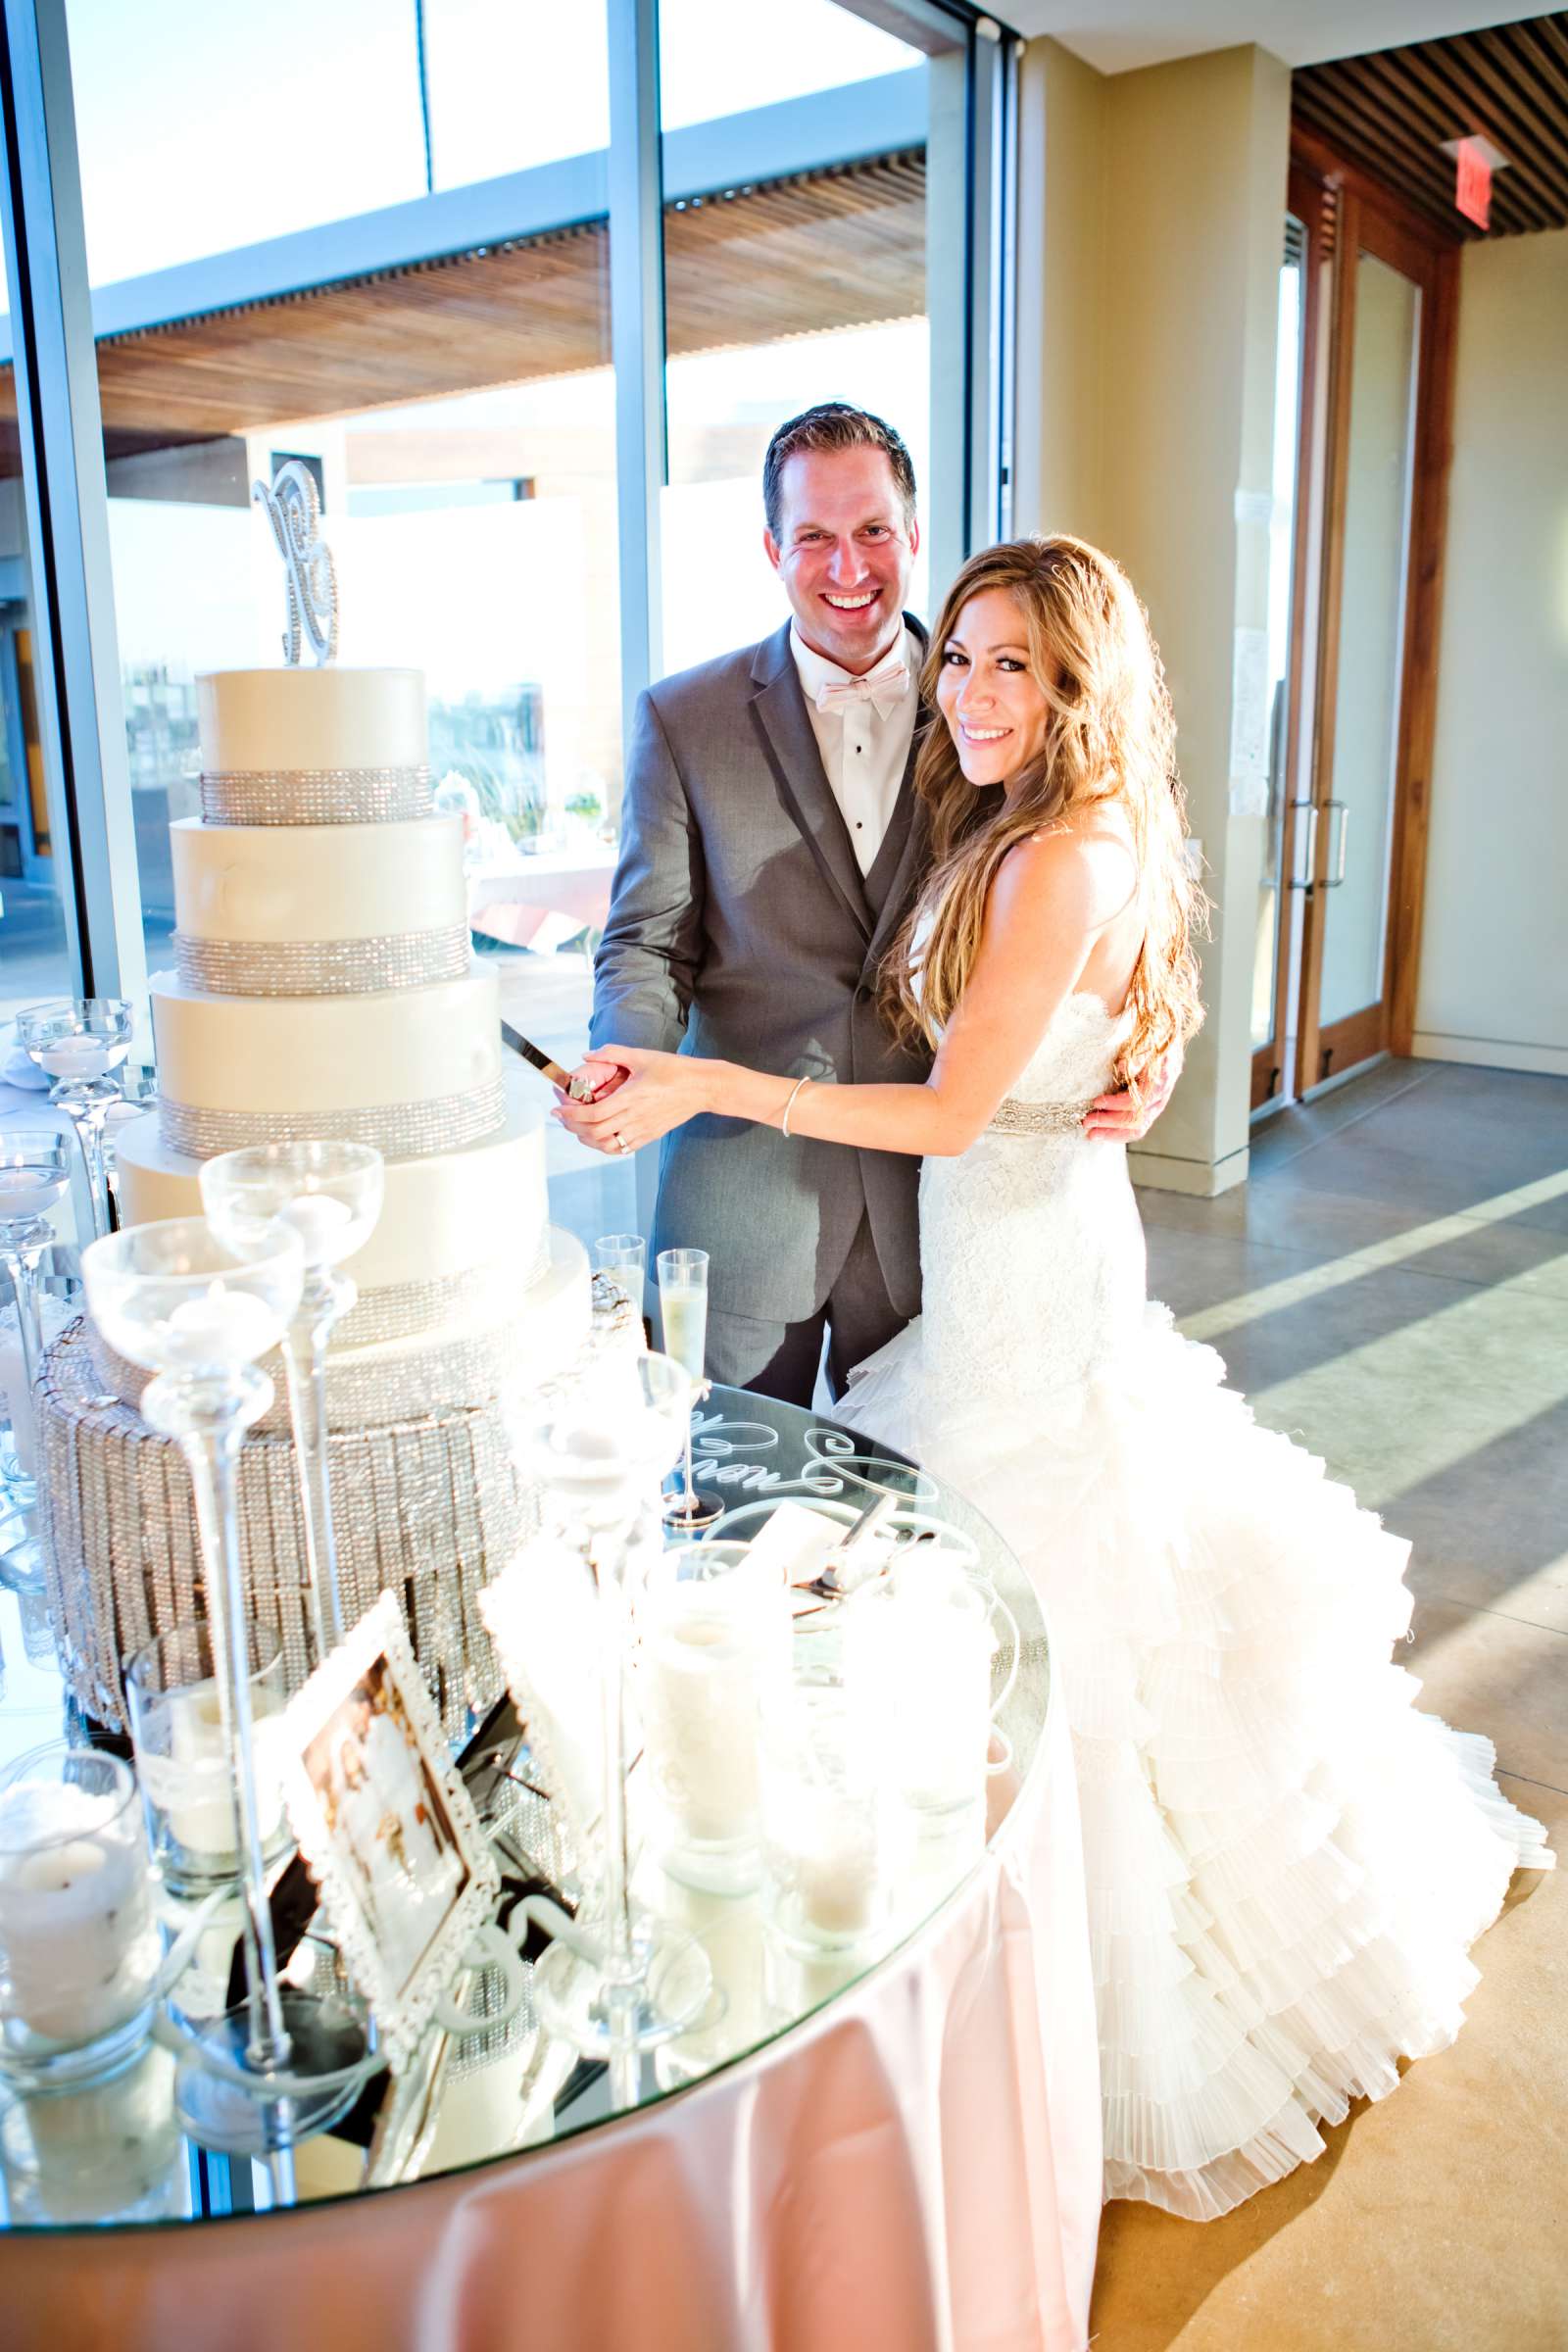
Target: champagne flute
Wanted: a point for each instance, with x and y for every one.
(683, 1311)
(80, 1043)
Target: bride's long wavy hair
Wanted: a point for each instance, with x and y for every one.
(1110, 739)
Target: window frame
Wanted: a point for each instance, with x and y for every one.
(55, 318)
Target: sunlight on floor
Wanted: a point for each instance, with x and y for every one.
(1216, 1322)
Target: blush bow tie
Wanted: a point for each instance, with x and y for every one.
(881, 687)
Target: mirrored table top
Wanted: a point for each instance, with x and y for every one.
(113, 2154)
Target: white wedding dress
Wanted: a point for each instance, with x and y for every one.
(1286, 1862)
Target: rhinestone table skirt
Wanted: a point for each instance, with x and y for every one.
(429, 1506)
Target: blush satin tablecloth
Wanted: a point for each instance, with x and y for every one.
(915, 2168)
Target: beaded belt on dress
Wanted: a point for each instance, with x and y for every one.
(1013, 1117)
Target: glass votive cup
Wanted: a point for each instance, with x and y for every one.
(917, 1654)
(623, 1258)
(80, 1949)
(715, 1650)
(829, 1834)
(106, 2151)
(176, 1728)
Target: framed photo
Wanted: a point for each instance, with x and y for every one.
(386, 1828)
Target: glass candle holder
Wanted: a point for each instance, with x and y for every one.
(80, 1043)
(330, 1194)
(173, 1299)
(716, 1648)
(597, 1464)
(917, 1650)
(623, 1258)
(79, 1950)
(108, 2151)
(176, 1726)
(828, 1825)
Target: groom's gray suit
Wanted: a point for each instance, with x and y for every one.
(741, 927)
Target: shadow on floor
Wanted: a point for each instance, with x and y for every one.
(1155, 2271)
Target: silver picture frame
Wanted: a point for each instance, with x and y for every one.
(385, 1826)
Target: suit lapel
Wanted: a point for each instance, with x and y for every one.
(906, 844)
(778, 708)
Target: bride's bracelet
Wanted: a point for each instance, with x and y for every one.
(784, 1124)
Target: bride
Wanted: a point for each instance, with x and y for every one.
(1286, 1864)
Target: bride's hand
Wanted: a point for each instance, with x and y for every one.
(1121, 1120)
(638, 1097)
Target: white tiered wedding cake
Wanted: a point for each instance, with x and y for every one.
(325, 987)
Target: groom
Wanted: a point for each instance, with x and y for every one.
(770, 847)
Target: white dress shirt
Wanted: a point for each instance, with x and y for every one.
(865, 751)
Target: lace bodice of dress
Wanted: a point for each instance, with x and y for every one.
(1030, 1245)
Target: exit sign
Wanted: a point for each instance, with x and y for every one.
(1473, 187)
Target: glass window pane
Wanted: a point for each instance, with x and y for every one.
(1267, 1014)
(458, 415)
(799, 47)
(809, 285)
(201, 127)
(1377, 532)
(34, 960)
(513, 86)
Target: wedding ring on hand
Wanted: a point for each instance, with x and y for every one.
(618, 1140)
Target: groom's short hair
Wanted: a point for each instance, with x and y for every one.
(832, 424)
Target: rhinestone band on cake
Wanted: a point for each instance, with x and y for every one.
(400, 1130)
(401, 1310)
(322, 968)
(1013, 1117)
(315, 796)
(472, 1367)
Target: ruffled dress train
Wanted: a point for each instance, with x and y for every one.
(1287, 1862)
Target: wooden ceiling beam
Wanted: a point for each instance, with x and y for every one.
(1432, 105)
(1416, 167)
(1473, 109)
(1527, 44)
(1541, 143)
(1528, 143)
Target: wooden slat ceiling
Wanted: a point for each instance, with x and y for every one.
(1390, 111)
(842, 247)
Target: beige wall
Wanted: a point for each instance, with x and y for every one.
(1152, 206)
(1493, 984)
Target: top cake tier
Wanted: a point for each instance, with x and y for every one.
(294, 746)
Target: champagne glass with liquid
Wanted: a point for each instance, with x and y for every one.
(683, 1311)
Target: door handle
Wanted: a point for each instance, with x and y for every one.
(1333, 882)
(1303, 879)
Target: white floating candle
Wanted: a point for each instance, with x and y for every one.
(82, 1056)
(323, 1224)
(220, 1328)
(28, 1192)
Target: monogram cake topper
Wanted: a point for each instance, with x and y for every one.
(293, 508)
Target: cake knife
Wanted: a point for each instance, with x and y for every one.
(579, 1089)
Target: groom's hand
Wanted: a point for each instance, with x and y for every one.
(638, 1097)
(1120, 1119)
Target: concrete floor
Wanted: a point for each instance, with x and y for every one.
(1391, 1289)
